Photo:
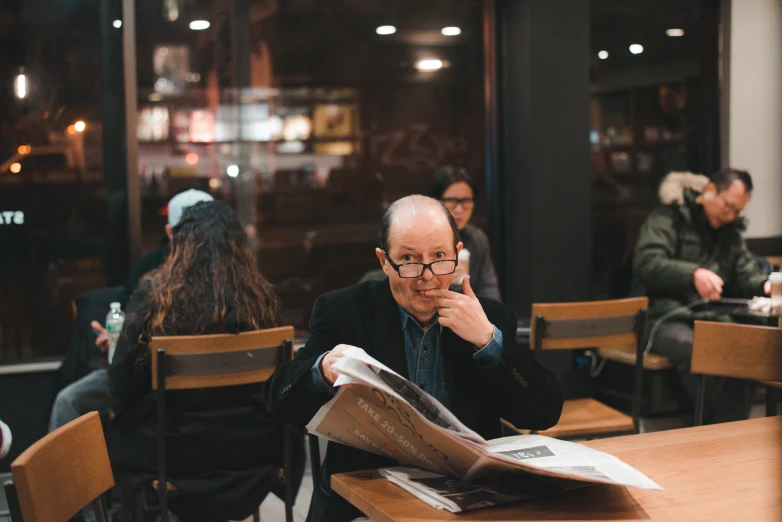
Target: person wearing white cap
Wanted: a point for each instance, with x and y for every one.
(91, 392)
(5, 439)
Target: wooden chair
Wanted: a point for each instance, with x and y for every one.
(595, 324)
(61, 474)
(213, 361)
(734, 350)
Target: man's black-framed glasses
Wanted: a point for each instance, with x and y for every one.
(411, 270)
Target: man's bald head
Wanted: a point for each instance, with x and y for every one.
(420, 209)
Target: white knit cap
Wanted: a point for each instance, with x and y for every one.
(183, 200)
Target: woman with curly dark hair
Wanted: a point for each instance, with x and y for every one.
(223, 445)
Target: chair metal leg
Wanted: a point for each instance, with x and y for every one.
(161, 439)
(314, 459)
(772, 399)
(139, 507)
(13, 502)
(700, 397)
(100, 510)
(288, 468)
(640, 331)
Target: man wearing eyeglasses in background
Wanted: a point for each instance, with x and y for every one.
(457, 347)
(689, 249)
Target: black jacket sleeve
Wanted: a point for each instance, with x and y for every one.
(529, 395)
(291, 392)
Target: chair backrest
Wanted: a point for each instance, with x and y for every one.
(63, 472)
(737, 350)
(211, 361)
(591, 324)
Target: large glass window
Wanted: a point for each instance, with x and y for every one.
(308, 117)
(653, 110)
(52, 191)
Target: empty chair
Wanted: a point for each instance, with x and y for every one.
(62, 473)
(595, 324)
(737, 351)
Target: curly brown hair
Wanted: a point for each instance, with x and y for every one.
(209, 275)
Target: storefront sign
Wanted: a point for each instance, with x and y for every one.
(11, 217)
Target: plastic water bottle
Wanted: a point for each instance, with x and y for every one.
(114, 321)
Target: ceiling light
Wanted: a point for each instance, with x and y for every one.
(636, 48)
(430, 64)
(20, 86)
(385, 30)
(451, 31)
(602, 55)
(232, 170)
(79, 126)
(15, 168)
(675, 33)
(117, 24)
(191, 158)
(199, 25)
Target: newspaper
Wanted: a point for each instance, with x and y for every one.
(458, 495)
(377, 410)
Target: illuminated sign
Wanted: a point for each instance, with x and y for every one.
(11, 217)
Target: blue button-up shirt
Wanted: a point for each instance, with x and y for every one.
(425, 365)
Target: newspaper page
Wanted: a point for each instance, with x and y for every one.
(458, 495)
(560, 458)
(379, 411)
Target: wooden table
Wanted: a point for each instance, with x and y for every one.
(712, 473)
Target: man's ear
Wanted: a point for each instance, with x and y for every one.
(169, 231)
(381, 256)
(709, 190)
(459, 247)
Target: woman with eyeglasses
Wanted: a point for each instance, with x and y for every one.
(456, 190)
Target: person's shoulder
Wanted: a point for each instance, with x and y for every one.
(664, 215)
(360, 293)
(475, 238)
(476, 234)
(495, 309)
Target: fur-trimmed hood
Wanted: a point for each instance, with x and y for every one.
(674, 184)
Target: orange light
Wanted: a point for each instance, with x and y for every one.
(24, 149)
(79, 126)
(71, 129)
(191, 158)
(15, 168)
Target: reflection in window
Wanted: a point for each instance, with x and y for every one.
(648, 118)
(326, 122)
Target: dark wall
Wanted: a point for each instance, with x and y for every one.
(543, 161)
(543, 84)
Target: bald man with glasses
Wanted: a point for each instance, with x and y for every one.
(456, 346)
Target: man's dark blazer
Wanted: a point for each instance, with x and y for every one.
(366, 315)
